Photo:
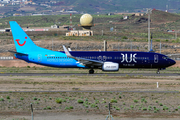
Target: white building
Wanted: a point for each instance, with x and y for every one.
(80, 33)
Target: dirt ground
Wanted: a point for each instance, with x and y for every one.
(130, 105)
(69, 116)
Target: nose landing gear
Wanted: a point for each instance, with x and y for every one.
(158, 71)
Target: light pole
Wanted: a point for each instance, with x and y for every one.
(149, 11)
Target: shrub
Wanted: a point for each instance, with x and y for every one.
(1, 99)
(136, 101)
(143, 99)
(178, 107)
(93, 105)
(34, 98)
(157, 40)
(21, 98)
(113, 101)
(144, 109)
(97, 101)
(165, 107)
(66, 108)
(132, 106)
(124, 103)
(124, 37)
(160, 104)
(39, 99)
(156, 101)
(49, 107)
(120, 97)
(50, 98)
(58, 100)
(155, 111)
(80, 101)
(86, 102)
(7, 97)
(71, 107)
(36, 102)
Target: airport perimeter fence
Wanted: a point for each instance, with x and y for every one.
(7, 58)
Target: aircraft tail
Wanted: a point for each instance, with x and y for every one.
(22, 41)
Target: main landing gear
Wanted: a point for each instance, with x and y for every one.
(158, 71)
(91, 71)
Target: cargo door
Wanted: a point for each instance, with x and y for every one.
(39, 58)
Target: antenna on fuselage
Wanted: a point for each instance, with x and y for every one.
(151, 50)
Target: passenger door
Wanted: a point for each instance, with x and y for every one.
(156, 58)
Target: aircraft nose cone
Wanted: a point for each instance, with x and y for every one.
(172, 62)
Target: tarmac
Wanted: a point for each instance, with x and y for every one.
(87, 74)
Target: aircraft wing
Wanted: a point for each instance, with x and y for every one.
(86, 62)
(172, 54)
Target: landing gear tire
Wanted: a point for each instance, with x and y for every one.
(158, 72)
(91, 71)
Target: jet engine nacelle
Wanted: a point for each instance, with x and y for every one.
(110, 66)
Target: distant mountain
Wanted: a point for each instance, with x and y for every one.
(93, 6)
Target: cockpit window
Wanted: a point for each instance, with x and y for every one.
(165, 57)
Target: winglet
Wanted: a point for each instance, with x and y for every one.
(66, 51)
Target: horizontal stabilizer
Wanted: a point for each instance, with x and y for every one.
(17, 53)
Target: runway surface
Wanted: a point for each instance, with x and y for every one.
(89, 91)
(86, 74)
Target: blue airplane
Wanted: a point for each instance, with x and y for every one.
(105, 60)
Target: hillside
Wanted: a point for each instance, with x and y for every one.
(126, 31)
(82, 6)
(94, 6)
(134, 28)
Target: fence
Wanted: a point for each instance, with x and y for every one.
(7, 58)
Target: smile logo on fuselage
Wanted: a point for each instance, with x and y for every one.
(19, 43)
